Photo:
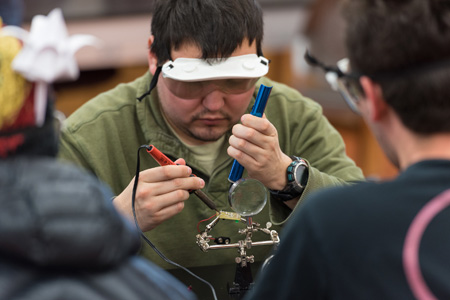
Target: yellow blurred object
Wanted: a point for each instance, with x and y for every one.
(225, 215)
(13, 87)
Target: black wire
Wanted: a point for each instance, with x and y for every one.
(133, 200)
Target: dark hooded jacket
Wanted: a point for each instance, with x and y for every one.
(61, 238)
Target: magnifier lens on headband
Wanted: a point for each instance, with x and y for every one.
(198, 89)
(247, 197)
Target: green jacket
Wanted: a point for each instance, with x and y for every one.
(103, 136)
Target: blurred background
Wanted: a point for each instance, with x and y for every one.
(291, 27)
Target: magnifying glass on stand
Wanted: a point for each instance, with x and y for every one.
(248, 196)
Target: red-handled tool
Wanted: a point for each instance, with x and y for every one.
(164, 161)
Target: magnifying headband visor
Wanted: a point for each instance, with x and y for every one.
(192, 78)
(195, 69)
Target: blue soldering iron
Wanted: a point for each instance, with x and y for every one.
(257, 110)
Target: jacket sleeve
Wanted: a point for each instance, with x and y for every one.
(308, 134)
(68, 151)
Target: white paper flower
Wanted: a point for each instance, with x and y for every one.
(47, 55)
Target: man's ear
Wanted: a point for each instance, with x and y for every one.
(152, 59)
(377, 106)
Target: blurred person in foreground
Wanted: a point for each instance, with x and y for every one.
(383, 240)
(206, 66)
(12, 12)
(56, 221)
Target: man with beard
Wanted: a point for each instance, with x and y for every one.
(205, 68)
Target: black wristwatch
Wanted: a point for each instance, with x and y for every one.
(297, 177)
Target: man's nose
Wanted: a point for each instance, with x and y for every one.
(214, 100)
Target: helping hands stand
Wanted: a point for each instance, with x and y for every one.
(246, 197)
(243, 276)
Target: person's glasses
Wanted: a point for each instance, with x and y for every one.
(346, 82)
(199, 89)
(341, 79)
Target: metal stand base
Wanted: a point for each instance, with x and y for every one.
(243, 281)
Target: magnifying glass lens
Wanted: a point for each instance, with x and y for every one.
(247, 197)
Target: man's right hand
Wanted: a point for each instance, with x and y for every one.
(160, 194)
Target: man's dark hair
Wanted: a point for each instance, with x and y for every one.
(390, 36)
(217, 27)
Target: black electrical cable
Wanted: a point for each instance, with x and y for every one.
(133, 200)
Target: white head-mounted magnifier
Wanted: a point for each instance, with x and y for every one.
(195, 69)
(191, 78)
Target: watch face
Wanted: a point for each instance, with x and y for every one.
(297, 177)
(301, 175)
